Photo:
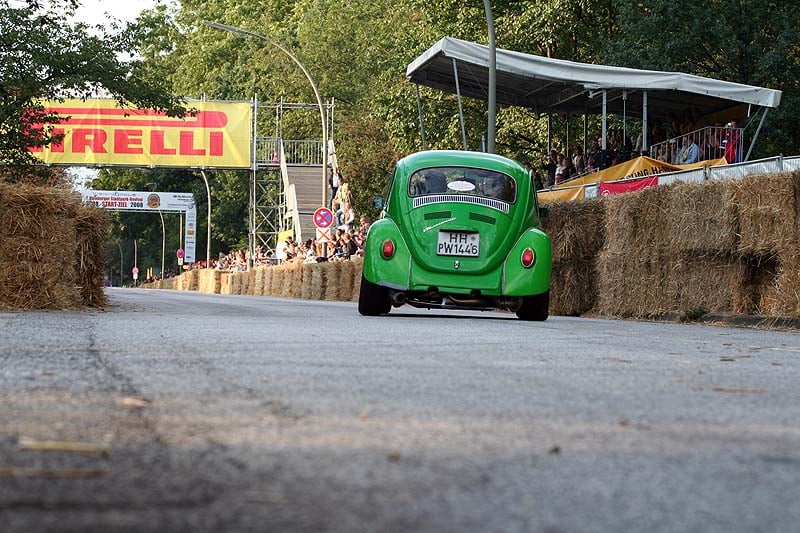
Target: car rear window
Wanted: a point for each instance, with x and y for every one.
(460, 180)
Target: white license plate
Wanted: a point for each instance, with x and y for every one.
(458, 243)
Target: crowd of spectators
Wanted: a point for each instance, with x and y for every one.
(677, 140)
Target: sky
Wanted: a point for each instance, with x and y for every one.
(94, 11)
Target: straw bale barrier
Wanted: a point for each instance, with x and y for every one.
(577, 229)
(718, 246)
(209, 280)
(51, 249)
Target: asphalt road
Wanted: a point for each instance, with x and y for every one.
(180, 411)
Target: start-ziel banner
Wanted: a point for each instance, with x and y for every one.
(99, 132)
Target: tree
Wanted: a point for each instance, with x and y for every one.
(42, 57)
(743, 41)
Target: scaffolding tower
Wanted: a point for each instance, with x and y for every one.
(272, 204)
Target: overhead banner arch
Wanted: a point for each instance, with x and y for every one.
(98, 132)
(169, 202)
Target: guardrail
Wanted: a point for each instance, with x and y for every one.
(711, 142)
(695, 175)
(297, 152)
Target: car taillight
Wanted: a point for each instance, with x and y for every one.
(388, 249)
(528, 257)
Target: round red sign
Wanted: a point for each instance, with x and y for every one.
(323, 218)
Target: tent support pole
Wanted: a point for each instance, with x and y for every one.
(460, 108)
(585, 133)
(549, 133)
(605, 125)
(758, 130)
(644, 147)
(421, 121)
(566, 147)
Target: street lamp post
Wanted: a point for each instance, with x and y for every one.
(234, 29)
(492, 77)
(208, 221)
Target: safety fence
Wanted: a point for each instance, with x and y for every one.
(695, 175)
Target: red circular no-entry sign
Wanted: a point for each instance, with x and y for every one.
(323, 218)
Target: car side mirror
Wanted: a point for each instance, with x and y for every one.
(544, 212)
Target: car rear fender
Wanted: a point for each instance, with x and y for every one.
(393, 272)
(521, 281)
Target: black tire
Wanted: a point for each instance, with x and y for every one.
(535, 307)
(373, 300)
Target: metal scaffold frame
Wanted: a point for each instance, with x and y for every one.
(269, 209)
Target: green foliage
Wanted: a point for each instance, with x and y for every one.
(43, 57)
(744, 41)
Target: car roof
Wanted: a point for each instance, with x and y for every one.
(460, 158)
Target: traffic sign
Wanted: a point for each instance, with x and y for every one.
(179, 253)
(323, 218)
(135, 270)
(324, 235)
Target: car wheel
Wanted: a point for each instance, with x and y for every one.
(535, 307)
(373, 299)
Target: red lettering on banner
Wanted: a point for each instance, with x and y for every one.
(187, 144)
(83, 138)
(57, 146)
(128, 142)
(215, 139)
(157, 144)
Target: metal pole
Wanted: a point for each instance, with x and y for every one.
(492, 76)
(605, 101)
(460, 108)
(755, 136)
(163, 242)
(324, 121)
(135, 258)
(421, 121)
(208, 221)
(121, 268)
(644, 146)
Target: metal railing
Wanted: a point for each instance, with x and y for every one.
(711, 141)
(297, 152)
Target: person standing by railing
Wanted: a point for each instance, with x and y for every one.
(732, 142)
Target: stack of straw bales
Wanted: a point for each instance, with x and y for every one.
(577, 231)
(51, 249)
(718, 246)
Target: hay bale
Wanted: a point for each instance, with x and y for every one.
(258, 281)
(225, 282)
(573, 288)
(630, 285)
(39, 249)
(787, 286)
(296, 279)
(358, 268)
(307, 290)
(330, 280)
(577, 229)
(768, 212)
(318, 282)
(276, 285)
(91, 226)
(344, 289)
(209, 280)
(267, 283)
(702, 218)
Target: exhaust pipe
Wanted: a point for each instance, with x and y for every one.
(398, 299)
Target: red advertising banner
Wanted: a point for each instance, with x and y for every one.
(619, 187)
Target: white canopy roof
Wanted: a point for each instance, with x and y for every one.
(544, 84)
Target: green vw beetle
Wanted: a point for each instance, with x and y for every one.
(459, 230)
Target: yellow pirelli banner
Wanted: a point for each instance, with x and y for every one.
(99, 132)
